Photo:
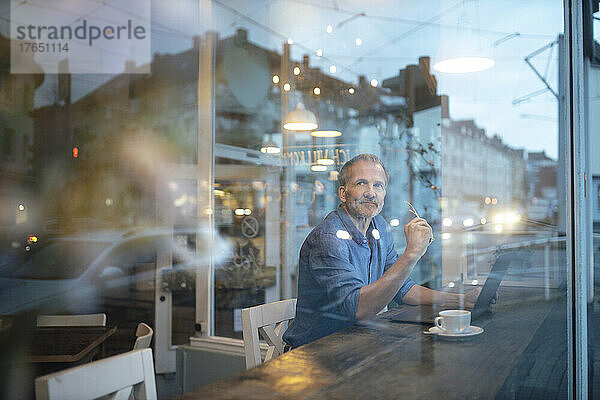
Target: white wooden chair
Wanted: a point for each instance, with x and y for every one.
(271, 320)
(113, 378)
(71, 320)
(143, 335)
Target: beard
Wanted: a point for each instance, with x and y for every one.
(363, 208)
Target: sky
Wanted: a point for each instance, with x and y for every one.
(393, 34)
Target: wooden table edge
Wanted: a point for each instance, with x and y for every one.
(74, 357)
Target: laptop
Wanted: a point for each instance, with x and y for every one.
(425, 314)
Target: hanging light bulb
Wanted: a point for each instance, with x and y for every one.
(325, 161)
(300, 119)
(464, 65)
(463, 52)
(270, 147)
(326, 133)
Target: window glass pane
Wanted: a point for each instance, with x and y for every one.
(99, 172)
(479, 154)
(182, 188)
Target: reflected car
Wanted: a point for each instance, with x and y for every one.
(85, 272)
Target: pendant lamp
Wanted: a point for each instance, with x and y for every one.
(300, 119)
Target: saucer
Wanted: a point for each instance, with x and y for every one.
(469, 332)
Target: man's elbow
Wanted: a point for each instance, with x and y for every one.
(363, 314)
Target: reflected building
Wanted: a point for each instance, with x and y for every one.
(480, 174)
(542, 187)
(17, 168)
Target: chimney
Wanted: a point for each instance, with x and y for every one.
(241, 37)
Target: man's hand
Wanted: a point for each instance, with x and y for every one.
(418, 236)
(471, 297)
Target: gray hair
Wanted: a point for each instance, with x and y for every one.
(343, 175)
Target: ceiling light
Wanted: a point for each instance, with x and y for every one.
(464, 51)
(287, 87)
(464, 65)
(275, 79)
(317, 91)
(358, 41)
(319, 53)
(374, 82)
(329, 29)
(351, 90)
(325, 161)
(447, 222)
(270, 148)
(290, 41)
(300, 119)
(296, 71)
(319, 168)
(332, 69)
(326, 133)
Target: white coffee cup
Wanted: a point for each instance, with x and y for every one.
(453, 321)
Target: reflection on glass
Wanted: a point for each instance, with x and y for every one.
(477, 145)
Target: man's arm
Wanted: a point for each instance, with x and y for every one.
(421, 295)
(377, 295)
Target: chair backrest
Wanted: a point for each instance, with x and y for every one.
(115, 377)
(143, 335)
(71, 320)
(271, 320)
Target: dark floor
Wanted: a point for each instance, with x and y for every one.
(166, 386)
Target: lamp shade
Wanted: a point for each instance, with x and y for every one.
(270, 146)
(326, 134)
(463, 50)
(464, 65)
(300, 119)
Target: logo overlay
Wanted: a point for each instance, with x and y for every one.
(80, 36)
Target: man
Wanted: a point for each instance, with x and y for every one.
(349, 269)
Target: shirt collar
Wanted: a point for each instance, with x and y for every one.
(350, 227)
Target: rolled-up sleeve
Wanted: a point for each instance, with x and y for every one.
(330, 266)
(408, 283)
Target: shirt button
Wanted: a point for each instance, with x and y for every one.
(364, 240)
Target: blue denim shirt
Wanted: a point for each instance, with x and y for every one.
(336, 261)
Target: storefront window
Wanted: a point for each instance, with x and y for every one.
(212, 159)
